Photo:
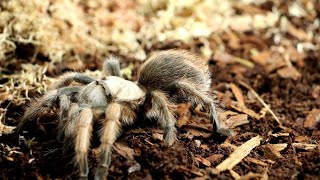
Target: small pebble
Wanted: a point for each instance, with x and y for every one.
(198, 143)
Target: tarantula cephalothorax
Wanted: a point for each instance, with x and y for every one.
(166, 77)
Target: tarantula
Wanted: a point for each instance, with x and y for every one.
(164, 79)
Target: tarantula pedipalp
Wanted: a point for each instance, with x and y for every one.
(166, 77)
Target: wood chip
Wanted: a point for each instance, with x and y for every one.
(304, 146)
(238, 94)
(197, 173)
(6, 129)
(234, 174)
(289, 73)
(245, 110)
(301, 139)
(230, 59)
(124, 150)
(249, 8)
(279, 147)
(237, 120)
(202, 160)
(157, 136)
(296, 32)
(316, 92)
(312, 120)
(256, 161)
(272, 151)
(252, 175)
(237, 156)
(261, 57)
(280, 135)
(192, 132)
(214, 157)
(183, 114)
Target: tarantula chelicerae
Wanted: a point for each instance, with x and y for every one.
(165, 78)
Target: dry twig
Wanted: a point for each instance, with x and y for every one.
(237, 156)
(262, 102)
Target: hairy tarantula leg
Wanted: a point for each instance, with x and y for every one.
(111, 67)
(199, 97)
(108, 136)
(82, 140)
(68, 127)
(67, 78)
(48, 100)
(161, 110)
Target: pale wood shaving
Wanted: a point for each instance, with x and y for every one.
(6, 129)
(280, 135)
(256, 161)
(238, 94)
(305, 146)
(234, 174)
(237, 156)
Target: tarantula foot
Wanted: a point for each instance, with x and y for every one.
(225, 131)
(102, 171)
(170, 136)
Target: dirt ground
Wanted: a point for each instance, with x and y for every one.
(264, 87)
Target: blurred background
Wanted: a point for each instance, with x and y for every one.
(269, 46)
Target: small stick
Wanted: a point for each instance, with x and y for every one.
(261, 100)
(237, 156)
